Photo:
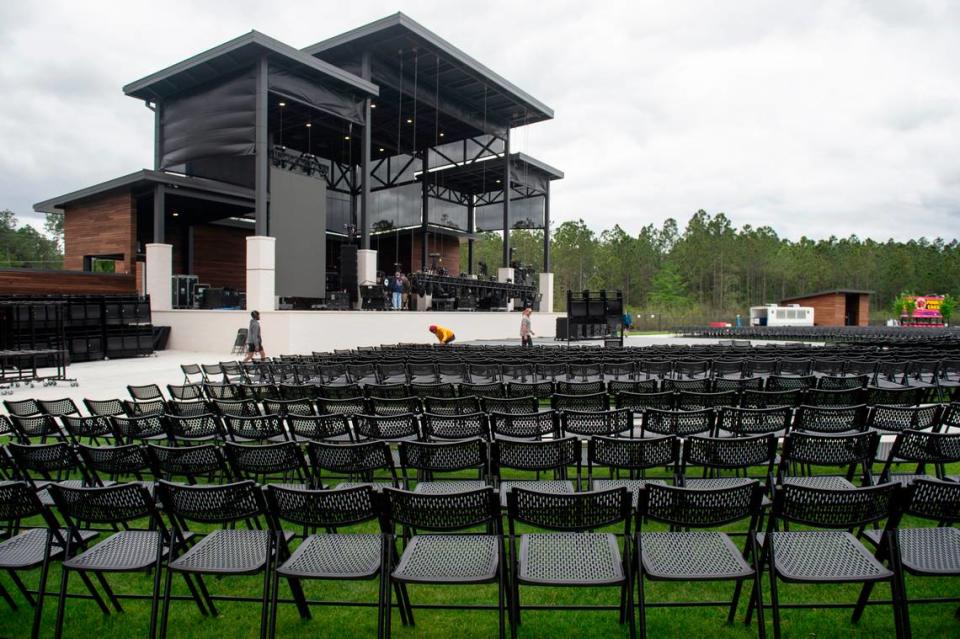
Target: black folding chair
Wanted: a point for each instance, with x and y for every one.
(224, 551)
(573, 555)
(682, 555)
(438, 554)
(635, 456)
(827, 553)
(420, 462)
(331, 555)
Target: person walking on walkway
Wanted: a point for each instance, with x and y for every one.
(254, 340)
(526, 330)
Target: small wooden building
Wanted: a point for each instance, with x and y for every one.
(837, 307)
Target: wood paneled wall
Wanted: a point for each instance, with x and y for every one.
(104, 225)
(29, 282)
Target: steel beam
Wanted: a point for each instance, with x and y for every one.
(261, 152)
(506, 199)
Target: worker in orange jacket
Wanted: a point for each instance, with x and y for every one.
(445, 335)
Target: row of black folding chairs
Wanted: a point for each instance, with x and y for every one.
(570, 553)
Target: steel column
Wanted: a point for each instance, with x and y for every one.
(425, 209)
(471, 229)
(506, 200)
(365, 159)
(546, 229)
(261, 152)
(159, 209)
(157, 135)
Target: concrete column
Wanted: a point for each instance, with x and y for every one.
(261, 273)
(366, 266)
(159, 267)
(546, 292)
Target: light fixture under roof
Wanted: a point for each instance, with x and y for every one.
(381, 149)
(409, 120)
(441, 134)
(283, 104)
(309, 125)
(373, 106)
(498, 181)
(175, 214)
(346, 137)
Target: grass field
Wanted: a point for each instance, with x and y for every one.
(241, 619)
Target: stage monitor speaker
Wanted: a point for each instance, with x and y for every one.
(348, 270)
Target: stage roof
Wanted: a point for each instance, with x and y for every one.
(482, 177)
(463, 81)
(180, 185)
(237, 54)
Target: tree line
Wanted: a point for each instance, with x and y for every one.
(23, 246)
(712, 270)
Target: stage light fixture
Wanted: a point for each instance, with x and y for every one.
(346, 137)
(381, 150)
(409, 120)
(373, 106)
(309, 125)
(282, 104)
(175, 214)
(441, 134)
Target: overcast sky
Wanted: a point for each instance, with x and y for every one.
(816, 118)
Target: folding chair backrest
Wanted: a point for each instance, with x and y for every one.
(931, 499)
(590, 423)
(633, 454)
(837, 509)
(212, 504)
(528, 425)
(700, 508)
(441, 511)
(386, 427)
(330, 509)
(318, 427)
(451, 427)
(569, 512)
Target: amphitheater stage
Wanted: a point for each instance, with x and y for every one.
(298, 332)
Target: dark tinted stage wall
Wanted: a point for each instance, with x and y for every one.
(298, 219)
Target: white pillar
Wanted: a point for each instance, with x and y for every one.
(261, 273)
(546, 292)
(367, 266)
(159, 267)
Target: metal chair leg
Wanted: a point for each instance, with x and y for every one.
(41, 591)
(22, 588)
(61, 603)
(168, 583)
(109, 591)
(6, 597)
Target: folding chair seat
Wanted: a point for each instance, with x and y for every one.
(333, 428)
(452, 405)
(351, 465)
(282, 464)
(571, 554)
(489, 390)
(635, 456)
(454, 427)
(27, 549)
(393, 406)
(422, 462)
(804, 450)
(684, 555)
(528, 404)
(446, 549)
(133, 549)
(524, 425)
(580, 388)
(674, 422)
(825, 552)
(332, 555)
(554, 456)
(223, 551)
(830, 419)
(541, 390)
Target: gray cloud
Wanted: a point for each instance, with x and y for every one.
(817, 118)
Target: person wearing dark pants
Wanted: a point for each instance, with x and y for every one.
(254, 340)
(526, 329)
